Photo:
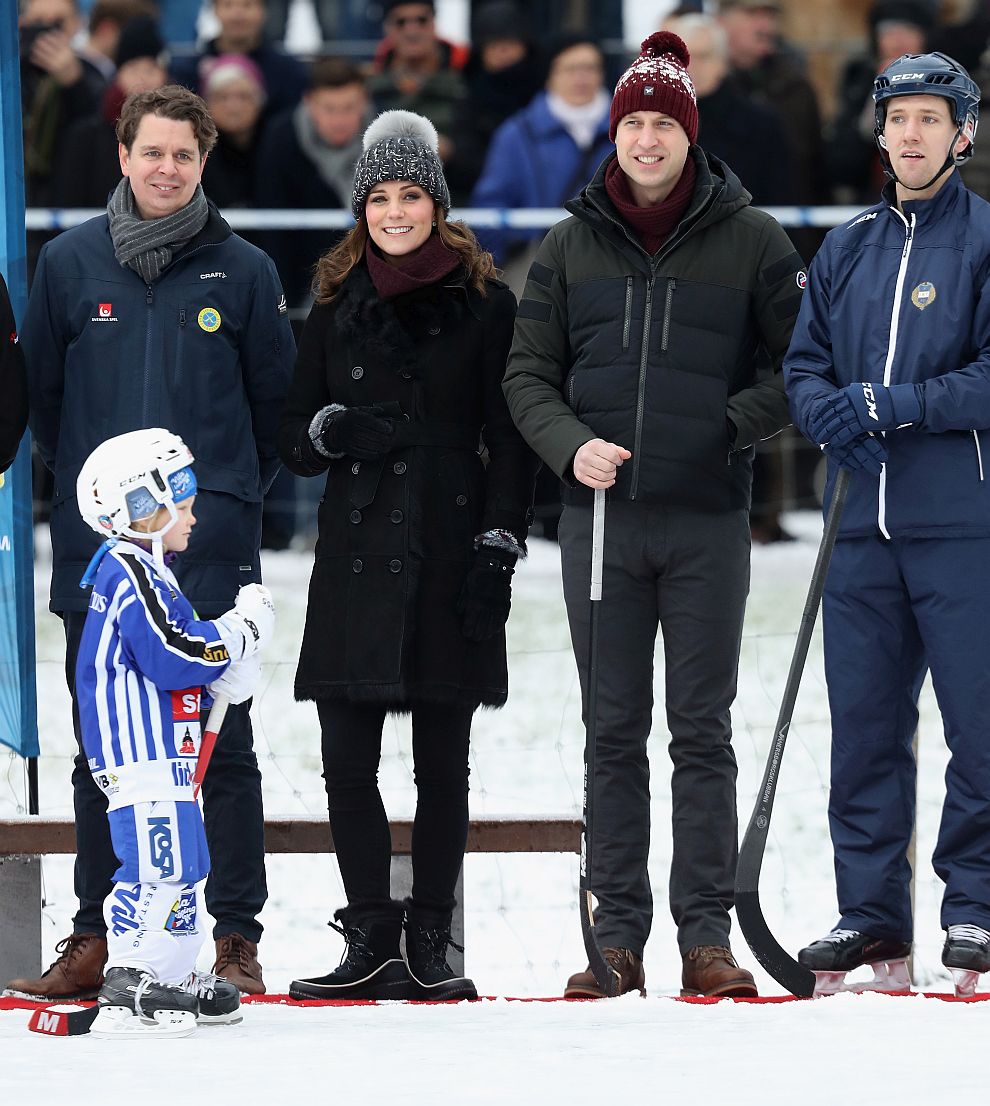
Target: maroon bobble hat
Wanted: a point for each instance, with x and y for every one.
(658, 81)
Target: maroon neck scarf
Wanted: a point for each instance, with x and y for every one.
(651, 225)
(429, 264)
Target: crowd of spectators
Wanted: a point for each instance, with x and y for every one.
(522, 114)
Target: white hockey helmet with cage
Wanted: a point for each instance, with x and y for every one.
(129, 477)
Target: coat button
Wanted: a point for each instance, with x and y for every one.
(357, 565)
(434, 330)
(355, 516)
(461, 500)
(395, 565)
(406, 374)
(357, 372)
(356, 467)
(399, 468)
(396, 515)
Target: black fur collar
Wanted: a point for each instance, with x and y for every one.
(391, 328)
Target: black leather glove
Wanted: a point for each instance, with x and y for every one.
(486, 594)
(359, 432)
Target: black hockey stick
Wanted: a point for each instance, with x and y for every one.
(785, 969)
(606, 976)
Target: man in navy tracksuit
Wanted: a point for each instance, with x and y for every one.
(889, 371)
(156, 314)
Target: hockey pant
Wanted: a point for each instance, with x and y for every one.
(892, 609)
(152, 913)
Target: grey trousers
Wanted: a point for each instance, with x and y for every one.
(688, 573)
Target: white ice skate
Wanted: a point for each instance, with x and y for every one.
(133, 1004)
(118, 1021)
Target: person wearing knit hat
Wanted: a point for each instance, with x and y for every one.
(397, 388)
(637, 368)
(400, 146)
(234, 93)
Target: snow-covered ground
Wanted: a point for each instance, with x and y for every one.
(522, 931)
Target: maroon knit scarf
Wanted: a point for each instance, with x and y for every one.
(429, 264)
(651, 225)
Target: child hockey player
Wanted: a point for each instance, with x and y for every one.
(143, 662)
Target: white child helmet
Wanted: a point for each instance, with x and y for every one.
(129, 477)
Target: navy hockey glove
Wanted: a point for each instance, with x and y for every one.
(359, 432)
(865, 407)
(865, 453)
(486, 593)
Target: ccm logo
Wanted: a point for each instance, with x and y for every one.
(871, 402)
(907, 77)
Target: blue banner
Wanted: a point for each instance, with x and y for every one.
(18, 700)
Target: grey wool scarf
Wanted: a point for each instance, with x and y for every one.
(147, 245)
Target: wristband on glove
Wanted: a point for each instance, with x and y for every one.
(866, 407)
(360, 432)
(247, 627)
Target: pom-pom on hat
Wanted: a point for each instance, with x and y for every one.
(400, 145)
(658, 81)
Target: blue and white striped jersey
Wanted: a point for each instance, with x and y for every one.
(143, 661)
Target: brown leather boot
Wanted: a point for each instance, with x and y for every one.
(76, 974)
(237, 962)
(712, 970)
(626, 963)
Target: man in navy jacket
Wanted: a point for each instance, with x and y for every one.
(889, 371)
(156, 314)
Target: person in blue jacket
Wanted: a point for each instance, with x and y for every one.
(156, 314)
(546, 153)
(889, 372)
(143, 661)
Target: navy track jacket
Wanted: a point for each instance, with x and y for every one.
(898, 298)
(206, 351)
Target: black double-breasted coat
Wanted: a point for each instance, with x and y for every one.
(396, 536)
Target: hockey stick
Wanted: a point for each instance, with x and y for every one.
(606, 976)
(210, 733)
(63, 1021)
(787, 971)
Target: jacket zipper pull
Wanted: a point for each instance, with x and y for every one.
(149, 298)
(182, 316)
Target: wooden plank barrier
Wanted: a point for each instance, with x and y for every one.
(24, 840)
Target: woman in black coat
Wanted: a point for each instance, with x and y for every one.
(397, 396)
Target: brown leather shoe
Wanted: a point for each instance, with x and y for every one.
(237, 962)
(76, 974)
(712, 970)
(626, 963)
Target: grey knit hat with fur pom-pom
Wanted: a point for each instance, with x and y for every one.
(400, 145)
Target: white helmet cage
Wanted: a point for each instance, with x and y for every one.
(129, 477)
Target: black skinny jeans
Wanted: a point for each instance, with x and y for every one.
(352, 743)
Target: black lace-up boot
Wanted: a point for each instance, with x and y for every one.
(371, 967)
(427, 941)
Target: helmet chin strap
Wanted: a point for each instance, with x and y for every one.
(155, 536)
(889, 168)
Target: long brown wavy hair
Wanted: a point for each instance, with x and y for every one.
(335, 265)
